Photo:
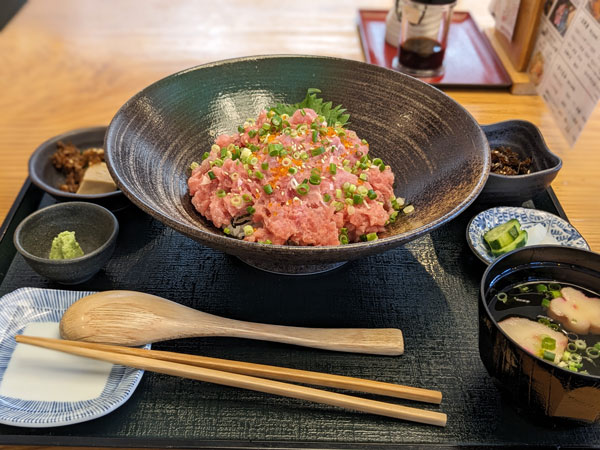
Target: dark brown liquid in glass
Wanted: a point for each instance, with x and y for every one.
(421, 53)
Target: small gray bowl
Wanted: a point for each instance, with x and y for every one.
(45, 176)
(525, 139)
(95, 228)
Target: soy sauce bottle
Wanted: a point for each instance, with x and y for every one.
(423, 36)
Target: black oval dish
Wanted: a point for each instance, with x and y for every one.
(532, 384)
(45, 176)
(525, 139)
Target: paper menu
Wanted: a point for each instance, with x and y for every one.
(505, 14)
(565, 63)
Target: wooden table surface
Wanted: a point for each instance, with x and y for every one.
(66, 64)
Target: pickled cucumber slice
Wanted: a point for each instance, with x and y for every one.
(502, 235)
(520, 241)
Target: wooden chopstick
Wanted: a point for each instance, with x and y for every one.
(278, 373)
(183, 368)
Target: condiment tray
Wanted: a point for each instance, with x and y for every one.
(428, 288)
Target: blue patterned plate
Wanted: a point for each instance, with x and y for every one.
(554, 230)
(45, 388)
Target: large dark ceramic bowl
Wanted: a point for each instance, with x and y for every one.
(527, 141)
(531, 383)
(436, 149)
(45, 176)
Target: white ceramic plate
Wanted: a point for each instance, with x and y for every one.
(556, 230)
(45, 388)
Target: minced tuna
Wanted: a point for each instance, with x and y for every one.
(294, 179)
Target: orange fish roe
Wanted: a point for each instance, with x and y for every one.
(294, 179)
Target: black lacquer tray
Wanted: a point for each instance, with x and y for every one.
(427, 288)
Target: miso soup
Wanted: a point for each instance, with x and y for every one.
(525, 311)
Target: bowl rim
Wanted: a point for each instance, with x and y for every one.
(65, 262)
(546, 149)
(39, 181)
(335, 252)
(483, 303)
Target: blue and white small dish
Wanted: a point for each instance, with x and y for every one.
(45, 388)
(543, 227)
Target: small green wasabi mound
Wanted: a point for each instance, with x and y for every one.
(64, 246)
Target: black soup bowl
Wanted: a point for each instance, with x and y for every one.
(438, 152)
(529, 382)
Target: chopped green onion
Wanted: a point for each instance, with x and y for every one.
(292, 170)
(572, 347)
(523, 288)
(326, 198)
(247, 198)
(258, 175)
(502, 297)
(363, 176)
(338, 206)
(264, 166)
(302, 189)
(315, 135)
(221, 193)
(338, 193)
(554, 287)
(382, 167)
(393, 216)
(241, 129)
(315, 179)
(211, 175)
(268, 188)
(546, 303)
(544, 321)
(251, 210)
(548, 355)
(541, 288)
(343, 239)
(252, 133)
(575, 357)
(205, 155)
(372, 194)
(194, 165)
(226, 230)
(592, 352)
(357, 199)
(408, 209)
(580, 344)
(266, 126)
(317, 151)
(332, 169)
(236, 201)
(372, 237)
(548, 343)
(248, 230)
(555, 294)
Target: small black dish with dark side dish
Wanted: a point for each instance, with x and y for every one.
(527, 141)
(531, 383)
(45, 176)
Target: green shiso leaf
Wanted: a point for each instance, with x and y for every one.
(332, 115)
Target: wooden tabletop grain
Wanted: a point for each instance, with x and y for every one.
(66, 64)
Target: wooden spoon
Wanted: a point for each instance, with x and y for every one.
(134, 318)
